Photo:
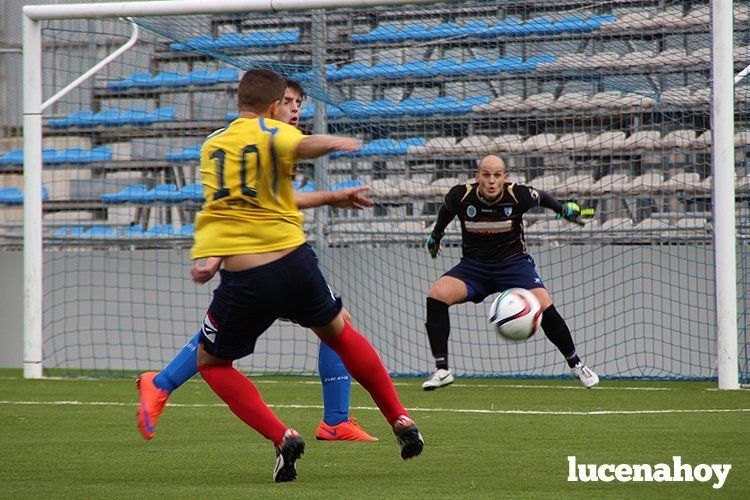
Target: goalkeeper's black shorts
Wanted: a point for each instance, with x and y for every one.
(483, 278)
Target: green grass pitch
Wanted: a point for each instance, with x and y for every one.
(484, 439)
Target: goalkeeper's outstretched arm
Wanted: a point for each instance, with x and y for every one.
(444, 218)
(569, 210)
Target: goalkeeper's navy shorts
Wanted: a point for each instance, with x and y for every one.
(485, 278)
(247, 302)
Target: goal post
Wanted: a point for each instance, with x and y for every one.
(449, 70)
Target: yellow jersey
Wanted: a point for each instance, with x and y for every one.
(246, 170)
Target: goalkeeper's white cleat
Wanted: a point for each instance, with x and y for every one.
(587, 377)
(439, 378)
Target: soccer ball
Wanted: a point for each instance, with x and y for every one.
(516, 314)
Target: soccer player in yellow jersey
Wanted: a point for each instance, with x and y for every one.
(250, 219)
(155, 388)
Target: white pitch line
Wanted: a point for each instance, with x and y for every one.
(259, 380)
(373, 408)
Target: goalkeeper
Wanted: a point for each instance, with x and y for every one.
(494, 258)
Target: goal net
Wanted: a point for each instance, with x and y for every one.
(607, 104)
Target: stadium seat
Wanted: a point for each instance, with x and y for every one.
(670, 57)
(609, 99)
(134, 231)
(129, 81)
(225, 75)
(509, 103)
(162, 115)
(577, 183)
(160, 231)
(385, 188)
(191, 153)
(436, 146)
(509, 143)
(69, 232)
(572, 101)
(106, 118)
(476, 144)
(412, 106)
(447, 66)
(440, 187)
(285, 37)
(379, 108)
(442, 105)
(538, 102)
(52, 157)
(678, 96)
(636, 101)
(617, 224)
(683, 181)
(409, 69)
(679, 139)
(165, 79)
(475, 29)
(258, 39)
(130, 194)
(197, 43)
(232, 40)
(540, 143)
(637, 58)
(506, 27)
(187, 231)
(414, 32)
(515, 63)
(414, 187)
(607, 141)
(444, 30)
(476, 65)
(355, 70)
(14, 157)
(692, 224)
(197, 77)
(469, 104)
(384, 33)
(643, 140)
(547, 182)
(612, 183)
(14, 196)
(192, 192)
(647, 183)
(134, 117)
(100, 232)
(704, 140)
(572, 141)
(163, 193)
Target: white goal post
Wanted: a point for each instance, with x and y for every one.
(722, 151)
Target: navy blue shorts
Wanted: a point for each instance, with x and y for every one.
(247, 302)
(485, 278)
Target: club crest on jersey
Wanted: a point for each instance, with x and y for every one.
(508, 211)
(471, 211)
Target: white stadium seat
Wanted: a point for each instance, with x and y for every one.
(509, 103)
(574, 141)
(612, 183)
(573, 101)
(510, 143)
(606, 141)
(578, 183)
(609, 99)
(679, 139)
(643, 140)
(476, 144)
(539, 143)
(617, 224)
(545, 182)
(647, 183)
(683, 181)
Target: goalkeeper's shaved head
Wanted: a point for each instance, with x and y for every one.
(259, 89)
(492, 161)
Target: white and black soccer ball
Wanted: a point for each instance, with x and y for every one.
(516, 314)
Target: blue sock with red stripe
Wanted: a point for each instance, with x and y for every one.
(181, 369)
(337, 386)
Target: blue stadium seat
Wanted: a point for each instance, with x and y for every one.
(596, 22)
(191, 153)
(447, 66)
(162, 115)
(442, 105)
(467, 104)
(352, 108)
(52, 157)
(307, 187)
(232, 116)
(14, 157)
(14, 196)
(226, 75)
(416, 32)
(409, 69)
(475, 29)
(130, 194)
(199, 42)
(506, 27)
(411, 106)
(74, 156)
(382, 33)
(379, 107)
(349, 183)
(508, 64)
(444, 30)
(573, 24)
(160, 231)
(134, 117)
(414, 141)
(107, 118)
(232, 40)
(476, 65)
(380, 147)
(259, 39)
(381, 69)
(69, 231)
(163, 193)
(540, 26)
(532, 62)
(187, 231)
(285, 37)
(197, 77)
(192, 192)
(100, 232)
(128, 81)
(101, 153)
(134, 231)
(58, 122)
(75, 119)
(164, 79)
(353, 70)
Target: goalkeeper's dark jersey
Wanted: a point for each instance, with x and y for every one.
(491, 231)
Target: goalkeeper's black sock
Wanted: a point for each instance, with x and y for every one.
(438, 328)
(559, 334)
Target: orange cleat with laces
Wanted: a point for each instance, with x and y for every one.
(152, 402)
(345, 431)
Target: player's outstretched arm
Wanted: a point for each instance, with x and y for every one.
(433, 242)
(569, 210)
(314, 146)
(355, 197)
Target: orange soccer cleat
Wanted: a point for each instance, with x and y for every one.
(345, 431)
(151, 405)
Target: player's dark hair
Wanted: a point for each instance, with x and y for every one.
(294, 85)
(259, 88)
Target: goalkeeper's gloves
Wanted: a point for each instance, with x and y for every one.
(433, 243)
(572, 212)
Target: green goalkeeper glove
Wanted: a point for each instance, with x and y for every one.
(572, 212)
(433, 243)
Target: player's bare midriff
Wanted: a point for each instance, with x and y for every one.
(248, 260)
